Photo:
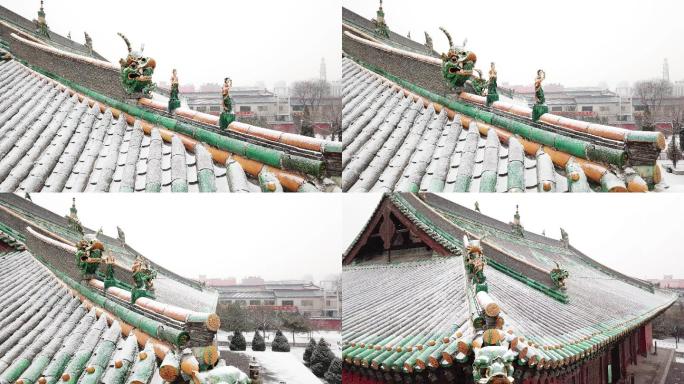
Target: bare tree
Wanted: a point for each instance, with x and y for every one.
(334, 116)
(651, 94)
(263, 317)
(310, 92)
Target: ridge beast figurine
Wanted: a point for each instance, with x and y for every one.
(136, 72)
(475, 263)
(458, 68)
(494, 365)
(88, 42)
(143, 277)
(558, 275)
(227, 115)
(89, 255)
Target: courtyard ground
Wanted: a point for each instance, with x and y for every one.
(279, 367)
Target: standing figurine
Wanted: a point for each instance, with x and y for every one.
(492, 92)
(174, 101)
(540, 107)
(227, 115)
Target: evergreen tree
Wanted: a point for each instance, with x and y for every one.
(308, 351)
(238, 342)
(334, 374)
(280, 343)
(306, 128)
(321, 357)
(258, 343)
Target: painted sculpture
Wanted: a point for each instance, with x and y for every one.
(559, 275)
(136, 72)
(540, 106)
(458, 68)
(493, 365)
(174, 101)
(475, 263)
(492, 91)
(381, 28)
(89, 255)
(143, 275)
(227, 115)
(41, 25)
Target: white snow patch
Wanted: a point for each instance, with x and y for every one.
(286, 366)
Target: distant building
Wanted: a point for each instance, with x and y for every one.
(661, 114)
(313, 301)
(668, 282)
(594, 104)
(248, 102)
(678, 88)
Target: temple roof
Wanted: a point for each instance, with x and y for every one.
(56, 40)
(414, 306)
(405, 129)
(66, 327)
(67, 124)
(354, 21)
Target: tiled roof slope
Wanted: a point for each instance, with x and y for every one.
(46, 332)
(409, 312)
(29, 27)
(354, 20)
(393, 143)
(53, 141)
(19, 214)
(67, 124)
(392, 96)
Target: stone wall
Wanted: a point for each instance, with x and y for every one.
(423, 74)
(106, 81)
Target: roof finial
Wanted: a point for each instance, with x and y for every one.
(517, 226)
(381, 27)
(41, 25)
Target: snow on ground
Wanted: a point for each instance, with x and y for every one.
(670, 344)
(674, 183)
(278, 368)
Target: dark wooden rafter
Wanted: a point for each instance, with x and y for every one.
(394, 229)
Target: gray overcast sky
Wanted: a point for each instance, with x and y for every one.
(250, 41)
(219, 235)
(578, 42)
(640, 235)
